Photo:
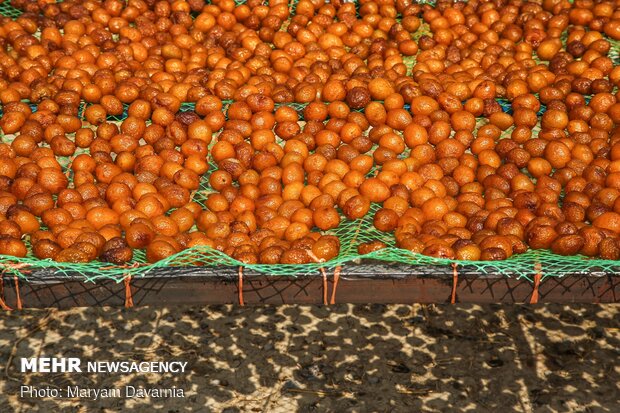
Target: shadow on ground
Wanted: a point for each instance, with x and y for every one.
(342, 358)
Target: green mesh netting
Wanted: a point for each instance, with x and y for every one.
(9, 11)
(351, 234)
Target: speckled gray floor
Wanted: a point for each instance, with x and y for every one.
(344, 358)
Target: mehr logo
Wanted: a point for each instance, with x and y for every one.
(74, 365)
(51, 365)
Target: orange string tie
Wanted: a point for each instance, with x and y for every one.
(128, 293)
(241, 303)
(15, 267)
(18, 296)
(127, 280)
(125, 266)
(336, 278)
(537, 277)
(319, 260)
(324, 286)
(2, 303)
(455, 281)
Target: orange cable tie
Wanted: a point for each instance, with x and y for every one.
(336, 278)
(537, 277)
(455, 281)
(241, 303)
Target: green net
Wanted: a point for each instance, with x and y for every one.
(9, 11)
(351, 234)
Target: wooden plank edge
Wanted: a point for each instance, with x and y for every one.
(260, 290)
